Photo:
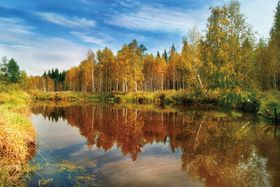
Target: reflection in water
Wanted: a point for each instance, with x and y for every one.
(215, 149)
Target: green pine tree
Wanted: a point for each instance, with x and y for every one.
(13, 71)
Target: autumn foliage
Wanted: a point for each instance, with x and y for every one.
(226, 58)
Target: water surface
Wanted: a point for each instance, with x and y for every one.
(112, 145)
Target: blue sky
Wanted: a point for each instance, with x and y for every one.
(46, 34)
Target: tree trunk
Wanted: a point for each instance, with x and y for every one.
(199, 80)
(92, 79)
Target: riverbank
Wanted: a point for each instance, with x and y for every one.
(17, 136)
(243, 101)
(269, 100)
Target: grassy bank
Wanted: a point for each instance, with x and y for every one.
(235, 99)
(58, 96)
(269, 100)
(17, 136)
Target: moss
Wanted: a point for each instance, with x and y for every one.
(75, 173)
(17, 136)
(45, 182)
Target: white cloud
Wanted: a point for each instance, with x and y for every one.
(34, 52)
(159, 171)
(128, 3)
(88, 39)
(151, 18)
(260, 14)
(85, 2)
(9, 24)
(66, 21)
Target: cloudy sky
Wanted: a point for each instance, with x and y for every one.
(45, 34)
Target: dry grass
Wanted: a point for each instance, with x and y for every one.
(17, 136)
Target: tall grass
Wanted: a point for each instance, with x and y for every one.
(17, 136)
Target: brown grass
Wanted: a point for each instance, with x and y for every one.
(17, 137)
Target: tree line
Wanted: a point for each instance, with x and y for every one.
(227, 56)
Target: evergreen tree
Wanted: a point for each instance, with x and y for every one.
(13, 72)
(165, 56)
(158, 55)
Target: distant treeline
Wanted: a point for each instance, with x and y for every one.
(226, 56)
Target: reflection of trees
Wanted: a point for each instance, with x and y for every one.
(268, 147)
(53, 113)
(217, 151)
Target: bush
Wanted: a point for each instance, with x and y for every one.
(245, 101)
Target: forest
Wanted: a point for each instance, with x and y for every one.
(228, 57)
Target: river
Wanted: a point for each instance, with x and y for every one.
(115, 145)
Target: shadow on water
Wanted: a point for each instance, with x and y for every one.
(176, 146)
